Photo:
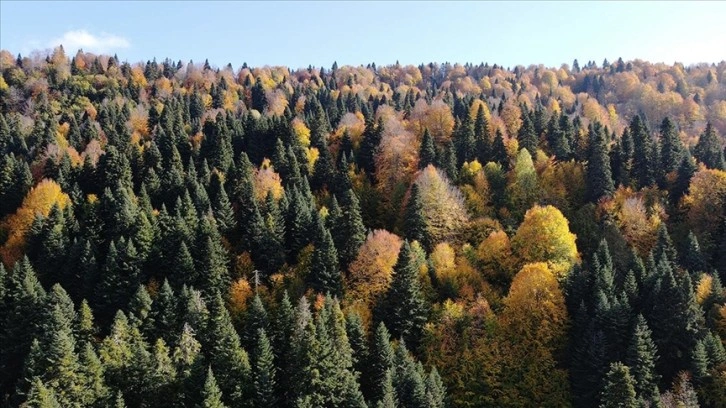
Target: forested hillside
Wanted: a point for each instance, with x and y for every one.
(178, 234)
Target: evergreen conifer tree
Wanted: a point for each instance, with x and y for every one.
(619, 389)
(405, 307)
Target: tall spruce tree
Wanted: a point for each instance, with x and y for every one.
(643, 153)
(427, 152)
(211, 394)
(708, 149)
(619, 389)
(414, 222)
(641, 358)
(227, 355)
(350, 233)
(526, 135)
(324, 274)
(599, 176)
(263, 373)
(671, 148)
(405, 309)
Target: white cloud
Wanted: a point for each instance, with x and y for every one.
(82, 39)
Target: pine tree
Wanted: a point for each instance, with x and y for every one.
(622, 161)
(643, 153)
(263, 375)
(677, 323)
(283, 328)
(557, 137)
(324, 271)
(414, 221)
(211, 394)
(119, 400)
(589, 364)
(699, 363)
(190, 365)
(447, 161)
(21, 322)
(298, 223)
(183, 270)
(380, 363)
(255, 321)
(41, 396)
(221, 206)
(671, 147)
(162, 377)
(526, 136)
(499, 151)
(388, 399)
(92, 370)
(691, 258)
(619, 389)
(350, 233)
(212, 267)
(435, 391)
(357, 338)
(405, 306)
(217, 143)
(226, 354)
(163, 316)
(685, 172)
(465, 141)
(641, 359)
(139, 307)
(599, 175)
(427, 152)
(664, 246)
(407, 380)
(708, 149)
(370, 140)
(481, 135)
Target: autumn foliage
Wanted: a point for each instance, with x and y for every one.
(39, 201)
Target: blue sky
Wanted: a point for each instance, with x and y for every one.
(298, 34)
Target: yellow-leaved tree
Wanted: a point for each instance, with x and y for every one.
(544, 236)
(706, 203)
(443, 205)
(370, 273)
(533, 323)
(40, 200)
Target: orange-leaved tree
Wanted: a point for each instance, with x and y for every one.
(40, 200)
(370, 273)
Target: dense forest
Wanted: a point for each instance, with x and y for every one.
(177, 234)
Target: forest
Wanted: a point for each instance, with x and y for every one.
(184, 235)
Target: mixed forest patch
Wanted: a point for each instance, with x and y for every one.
(443, 235)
